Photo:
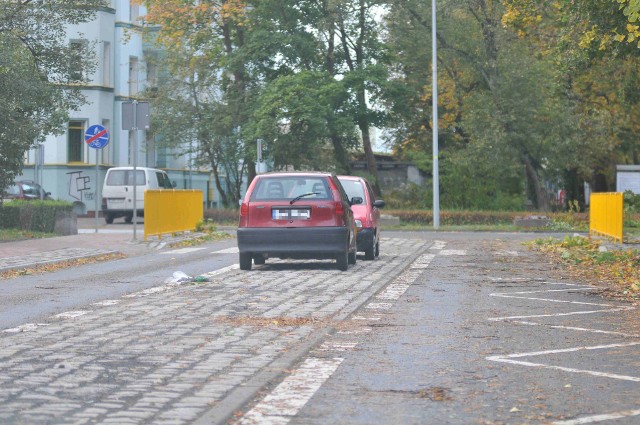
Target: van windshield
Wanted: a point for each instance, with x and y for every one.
(125, 178)
(163, 181)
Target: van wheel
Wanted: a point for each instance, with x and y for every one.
(128, 218)
(245, 261)
(108, 218)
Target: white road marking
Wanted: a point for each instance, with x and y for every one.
(365, 318)
(233, 250)
(511, 358)
(551, 300)
(393, 291)
(422, 262)
(574, 328)
(107, 302)
(286, 400)
(355, 332)
(599, 418)
(573, 313)
(379, 306)
(338, 346)
(508, 359)
(222, 270)
(25, 328)
(438, 245)
(182, 251)
(72, 314)
(453, 252)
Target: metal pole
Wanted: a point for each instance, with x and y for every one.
(135, 164)
(97, 188)
(436, 176)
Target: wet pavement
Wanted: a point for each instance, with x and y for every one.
(109, 239)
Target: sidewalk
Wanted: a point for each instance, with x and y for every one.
(114, 238)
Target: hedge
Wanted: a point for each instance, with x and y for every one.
(222, 215)
(36, 216)
(459, 218)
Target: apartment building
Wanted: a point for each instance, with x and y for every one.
(65, 165)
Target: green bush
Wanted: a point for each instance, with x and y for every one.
(222, 215)
(37, 216)
(462, 218)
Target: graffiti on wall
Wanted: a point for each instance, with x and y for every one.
(79, 185)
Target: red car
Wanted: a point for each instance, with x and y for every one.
(367, 214)
(296, 215)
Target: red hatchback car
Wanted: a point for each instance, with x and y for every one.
(296, 215)
(366, 210)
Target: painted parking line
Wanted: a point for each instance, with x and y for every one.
(599, 418)
(232, 250)
(284, 402)
(519, 358)
(576, 328)
(453, 252)
(509, 358)
(182, 251)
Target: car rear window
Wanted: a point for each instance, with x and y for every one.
(280, 188)
(354, 188)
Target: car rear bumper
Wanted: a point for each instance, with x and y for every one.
(299, 242)
(365, 238)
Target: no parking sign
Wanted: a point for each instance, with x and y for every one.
(96, 136)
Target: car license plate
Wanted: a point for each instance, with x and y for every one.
(290, 214)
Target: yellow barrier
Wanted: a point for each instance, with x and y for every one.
(171, 211)
(606, 215)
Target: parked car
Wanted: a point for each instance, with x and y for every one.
(366, 209)
(296, 215)
(117, 191)
(27, 190)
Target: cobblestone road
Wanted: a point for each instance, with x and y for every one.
(170, 354)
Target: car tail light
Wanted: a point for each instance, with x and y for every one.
(339, 208)
(104, 203)
(244, 215)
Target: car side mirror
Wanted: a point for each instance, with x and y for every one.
(356, 200)
(379, 203)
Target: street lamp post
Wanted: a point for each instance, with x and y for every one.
(436, 176)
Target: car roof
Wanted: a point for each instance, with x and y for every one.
(351, 178)
(295, 174)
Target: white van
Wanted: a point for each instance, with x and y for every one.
(117, 191)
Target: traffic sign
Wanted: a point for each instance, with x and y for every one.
(96, 136)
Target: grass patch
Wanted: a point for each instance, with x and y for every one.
(12, 235)
(586, 258)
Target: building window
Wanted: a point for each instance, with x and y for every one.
(75, 141)
(106, 64)
(134, 11)
(133, 76)
(77, 54)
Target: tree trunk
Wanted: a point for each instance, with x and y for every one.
(541, 201)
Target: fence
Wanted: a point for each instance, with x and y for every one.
(606, 215)
(171, 211)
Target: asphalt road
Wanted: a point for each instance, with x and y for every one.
(444, 328)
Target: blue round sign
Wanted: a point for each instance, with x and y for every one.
(96, 136)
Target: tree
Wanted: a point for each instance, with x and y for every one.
(498, 100)
(205, 100)
(36, 85)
